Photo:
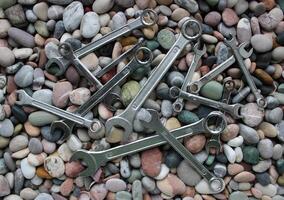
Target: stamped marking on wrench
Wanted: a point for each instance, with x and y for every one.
(154, 123)
(66, 126)
(195, 86)
(95, 159)
(198, 53)
(125, 119)
(232, 43)
(59, 64)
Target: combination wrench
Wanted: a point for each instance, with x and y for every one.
(154, 123)
(66, 126)
(95, 159)
(198, 53)
(194, 87)
(231, 41)
(58, 65)
(234, 110)
(125, 119)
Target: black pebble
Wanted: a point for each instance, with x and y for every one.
(263, 178)
(19, 113)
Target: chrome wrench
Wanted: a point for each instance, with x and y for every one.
(233, 110)
(154, 123)
(25, 99)
(198, 53)
(125, 119)
(195, 86)
(95, 159)
(67, 126)
(232, 43)
(59, 64)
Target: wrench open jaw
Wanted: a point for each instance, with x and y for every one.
(194, 87)
(231, 41)
(216, 184)
(95, 159)
(191, 30)
(58, 65)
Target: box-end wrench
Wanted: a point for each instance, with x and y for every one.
(154, 123)
(234, 110)
(231, 41)
(25, 99)
(58, 65)
(125, 119)
(195, 86)
(67, 126)
(198, 53)
(95, 159)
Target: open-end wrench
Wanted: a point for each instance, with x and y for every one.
(125, 119)
(67, 126)
(233, 110)
(194, 87)
(154, 123)
(59, 64)
(25, 99)
(232, 43)
(198, 53)
(95, 159)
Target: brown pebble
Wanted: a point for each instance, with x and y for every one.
(11, 85)
(195, 143)
(72, 75)
(31, 130)
(263, 76)
(42, 58)
(128, 41)
(39, 40)
(269, 4)
(151, 162)
(72, 169)
(204, 70)
(42, 173)
(66, 187)
(189, 192)
(244, 177)
(234, 169)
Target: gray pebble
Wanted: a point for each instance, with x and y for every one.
(249, 134)
(51, 50)
(31, 17)
(165, 10)
(50, 25)
(42, 118)
(55, 12)
(6, 128)
(135, 160)
(262, 166)
(2, 113)
(272, 102)
(18, 142)
(44, 95)
(167, 108)
(277, 151)
(59, 29)
(118, 20)
(35, 146)
(122, 195)
(222, 28)
(72, 15)
(220, 170)
(265, 148)
(124, 168)
(280, 127)
(3, 167)
(274, 116)
(190, 5)
(222, 53)
(21, 37)
(137, 193)
(10, 163)
(238, 195)
(148, 184)
(44, 196)
(4, 185)
(175, 78)
(187, 174)
(135, 175)
(24, 77)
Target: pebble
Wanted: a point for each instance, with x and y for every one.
(212, 90)
(118, 20)
(264, 40)
(229, 17)
(252, 115)
(249, 134)
(7, 57)
(203, 187)
(72, 16)
(54, 165)
(262, 166)
(268, 129)
(115, 185)
(190, 5)
(27, 169)
(187, 174)
(121, 195)
(195, 143)
(5, 26)
(213, 18)
(16, 15)
(269, 190)
(79, 96)
(4, 186)
(40, 10)
(244, 33)
(41, 118)
(35, 146)
(244, 177)
(98, 191)
(28, 194)
(151, 161)
(171, 186)
(24, 77)
(236, 142)
(44, 95)
(277, 54)
(128, 91)
(230, 153)
(277, 152)
(55, 12)
(265, 148)
(6, 128)
(263, 178)
(60, 95)
(269, 21)
(238, 195)
(18, 142)
(251, 155)
(103, 6)
(44, 196)
(21, 37)
(90, 25)
(179, 14)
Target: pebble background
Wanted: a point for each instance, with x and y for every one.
(34, 165)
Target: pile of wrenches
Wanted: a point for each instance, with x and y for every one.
(140, 56)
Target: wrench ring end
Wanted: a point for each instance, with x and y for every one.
(147, 58)
(177, 106)
(194, 88)
(149, 17)
(65, 50)
(188, 25)
(174, 92)
(217, 184)
(261, 102)
(219, 129)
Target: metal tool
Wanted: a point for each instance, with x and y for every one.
(25, 99)
(125, 119)
(198, 53)
(154, 123)
(233, 110)
(232, 43)
(194, 87)
(59, 64)
(95, 159)
(66, 126)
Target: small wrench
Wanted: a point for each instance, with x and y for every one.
(233, 110)
(154, 123)
(195, 86)
(232, 43)
(136, 62)
(198, 53)
(125, 119)
(59, 64)
(95, 159)
(25, 99)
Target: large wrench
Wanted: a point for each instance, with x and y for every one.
(232, 43)
(59, 64)
(195, 86)
(95, 159)
(154, 123)
(125, 119)
(233, 110)
(198, 53)
(25, 99)
(67, 126)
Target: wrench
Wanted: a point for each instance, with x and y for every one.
(233, 110)
(59, 64)
(195, 86)
(198, 53)
(95, 159)
(232, 43)
(136, 62)
(154, 123)
(25, 99)
(125, 119)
